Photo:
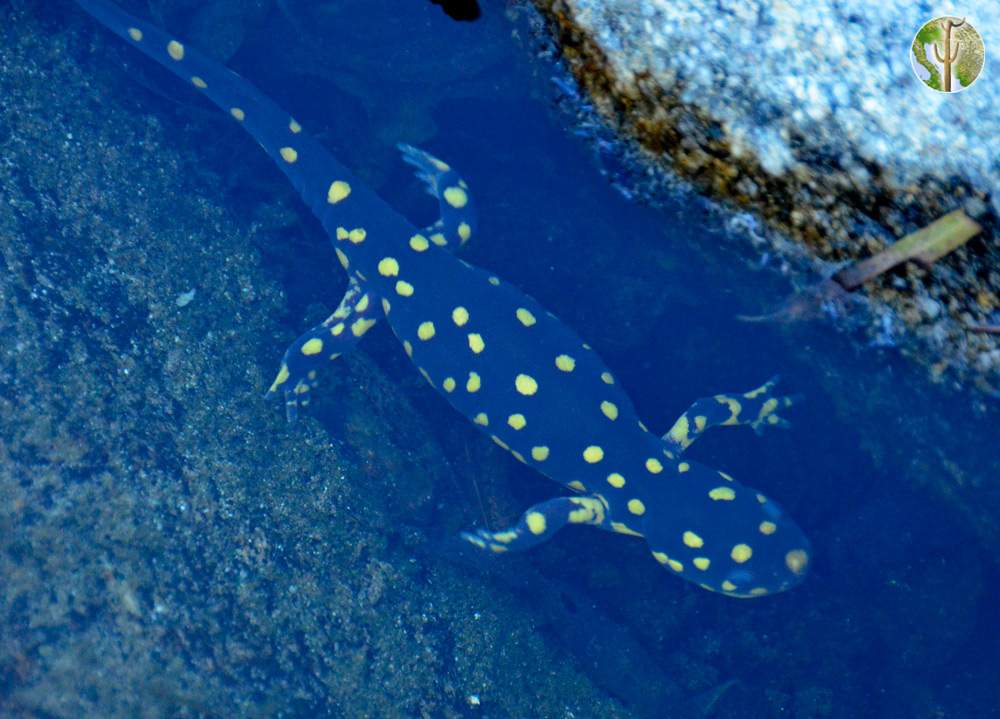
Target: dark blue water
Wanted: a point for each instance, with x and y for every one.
(898, 616)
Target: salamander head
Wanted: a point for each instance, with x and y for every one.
(725, 537)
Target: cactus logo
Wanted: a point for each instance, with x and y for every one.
(947, 54)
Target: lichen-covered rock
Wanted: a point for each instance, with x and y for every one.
(810, 115)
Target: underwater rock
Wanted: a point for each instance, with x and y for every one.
(813, 119)
(168, 546)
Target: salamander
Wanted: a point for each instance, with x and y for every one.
(517, 372)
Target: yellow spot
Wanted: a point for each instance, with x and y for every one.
(135, 33)
(495, 281)
(337, 329)
(693, 540)
(418, 243)
(426, 376)
(438, 239)
(734, 408)
(679, 432)
(725, 494)
(473, 383)
(439, 164)
(540, 454)
(344, 262)
(456, 197)
(636, 507)
(517, 421)
(607, 378)
(767, 527)
(699, 422)
(295, 127)
(505, 537)
(198, 82)
(577, 485)
(593, 454)
(701, 563)
(361, 326)
(175, 50)
(342, 233)
(527, 319)
(238, 113)
(683, 467)
(337, 192)
(582, 515)
(388, 267)
(565, 363)
(362, 304)
(408, 348)
(312, 347)
(425, 331)
(796, 560)
(741, 553)
(448, 384)
(623, 528)
(498, 548)
(654, 466)
(609, 409)
(404, 288)
(460, 316)
(518, 456)
(761, 498)
(672, 563)
(768, 407)
(481, 419)
(289, 154)
(728, 586)
(525, 384)
(476, 343)
(281, 378)
(464, 231)
(385, 305)
(757, 392)
(535, 522)
(616, 480)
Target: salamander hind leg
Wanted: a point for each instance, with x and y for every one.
(539, 523)
(458, 215)
(335, 336)
(757, 408)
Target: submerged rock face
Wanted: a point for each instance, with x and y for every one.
(167, 546)
(813, 116)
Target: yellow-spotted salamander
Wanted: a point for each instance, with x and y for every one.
(512, 368)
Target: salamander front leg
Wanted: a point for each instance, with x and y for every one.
(336, 335)
(757, 408)
(539, 523)
(458, 214)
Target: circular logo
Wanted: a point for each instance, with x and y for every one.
(947, 54)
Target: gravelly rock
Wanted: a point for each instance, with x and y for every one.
(167, 548)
